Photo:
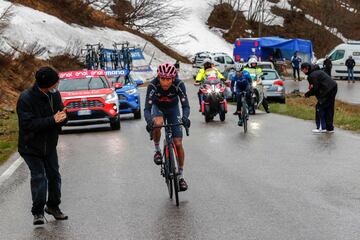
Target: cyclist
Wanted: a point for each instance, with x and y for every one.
(206, 71)
(255, 73)
(242, 81)
(162, 101)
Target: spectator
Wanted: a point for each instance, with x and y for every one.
(295, 62)
(41, 114)
(327, 65)
(324, 88)
(350, 64)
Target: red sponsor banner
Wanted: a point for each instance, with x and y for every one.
(81, 74)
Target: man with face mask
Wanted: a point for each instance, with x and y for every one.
(41, 114)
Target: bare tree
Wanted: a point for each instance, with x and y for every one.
(259, 12)
(5, 17)
(153, 17)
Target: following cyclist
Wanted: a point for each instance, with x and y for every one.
(162, 102)
(242, 81)
(208, 70)
(255, 73)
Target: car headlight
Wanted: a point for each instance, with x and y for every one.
(132, 91)
(254, 84)
(111, 98)
(209, 90)
(217, 90)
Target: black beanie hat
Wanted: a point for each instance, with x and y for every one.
(46, 77)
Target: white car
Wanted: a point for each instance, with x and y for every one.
(338, 57)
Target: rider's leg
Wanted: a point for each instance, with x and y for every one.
(180, 151)
(158, 121)
(200, 98)
(265, 104)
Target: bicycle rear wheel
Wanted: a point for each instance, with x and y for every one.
(244, 116)
(174, 171)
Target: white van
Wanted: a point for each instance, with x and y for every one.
(223, 62)
(338, 57)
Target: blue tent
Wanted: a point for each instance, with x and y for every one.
(275, 46)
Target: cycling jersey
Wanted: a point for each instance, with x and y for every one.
(168, 99)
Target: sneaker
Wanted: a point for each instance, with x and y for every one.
(235, 113)
(158, 158)
(38, 219)
(56, 212)
(267, 111)
(316, 130)
(183, 185)
(353, 81)
(240, 123)
(330, 131)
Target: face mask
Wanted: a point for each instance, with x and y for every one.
(53, 90)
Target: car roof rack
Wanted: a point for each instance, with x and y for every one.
(352, 42)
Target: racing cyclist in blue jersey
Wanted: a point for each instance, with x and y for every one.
(162, 101)
(242, 81)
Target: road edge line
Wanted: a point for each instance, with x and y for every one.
(7, 174)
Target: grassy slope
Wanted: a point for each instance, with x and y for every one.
(347, 116)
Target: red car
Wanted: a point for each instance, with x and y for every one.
(89, 98)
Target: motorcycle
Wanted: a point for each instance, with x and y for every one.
(213, 99)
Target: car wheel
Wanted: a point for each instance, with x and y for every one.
(115, 123)
(137, 114)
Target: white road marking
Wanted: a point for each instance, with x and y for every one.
(10, 170)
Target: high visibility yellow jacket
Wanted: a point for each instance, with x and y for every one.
(200, 77)
(254, 72)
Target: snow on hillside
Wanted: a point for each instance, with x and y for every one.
(28, 26)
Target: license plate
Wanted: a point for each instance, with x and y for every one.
(84, 112)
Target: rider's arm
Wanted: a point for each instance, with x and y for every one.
(184, 100)
(220, 76)
(200, 76)
(149, 100)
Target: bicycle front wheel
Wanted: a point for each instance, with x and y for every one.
(174, 171)
(167, 171)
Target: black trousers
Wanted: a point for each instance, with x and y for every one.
(328, 108)
(45, 178)
(328, 71)
(296, 70)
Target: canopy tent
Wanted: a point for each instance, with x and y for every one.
(277, 47)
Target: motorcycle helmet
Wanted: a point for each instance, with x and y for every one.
(252, 63)
(207, 63)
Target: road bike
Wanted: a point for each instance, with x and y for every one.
(170, 165)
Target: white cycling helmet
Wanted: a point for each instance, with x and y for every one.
(239, 67)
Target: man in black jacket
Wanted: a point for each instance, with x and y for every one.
(327, 65)
(350, 64)
(41, 114)
(325, 89)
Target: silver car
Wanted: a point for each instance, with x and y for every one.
(273, 84)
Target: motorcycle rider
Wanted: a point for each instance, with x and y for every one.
(255, 73)
(242, 81)
(162, 101)
(206, 71)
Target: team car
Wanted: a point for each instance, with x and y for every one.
(89, 98)
(128, 93)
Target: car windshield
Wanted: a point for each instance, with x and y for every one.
(265, 66)
(88, 83)
(270, 76)
(120, 79)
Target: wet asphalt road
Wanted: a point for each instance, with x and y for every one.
(347, 92)
(278, 181)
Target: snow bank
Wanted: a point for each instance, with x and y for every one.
(28, 26)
